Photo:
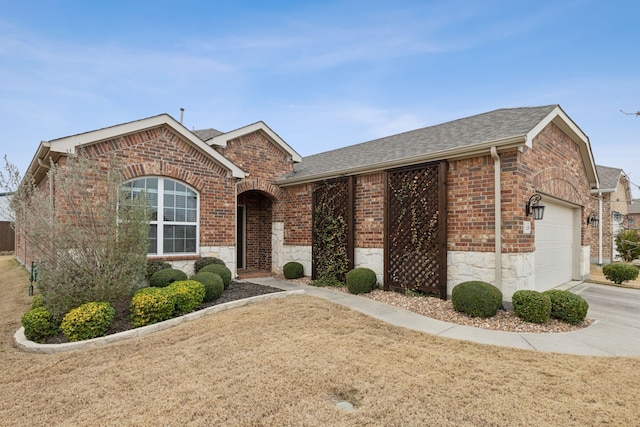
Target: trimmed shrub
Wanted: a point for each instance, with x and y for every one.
(38, 324)
(186, 295)
(620, 272)
(567, 307)
(155, 265)
(165, 277)
(90, 320)
(221, 271)
(37, 301)
(150, 305)
(204, 261)
(476, 298)
(293, 270)
(213, 284)
(531, 306)
(361, 280)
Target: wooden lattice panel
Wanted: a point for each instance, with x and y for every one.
(416, 229)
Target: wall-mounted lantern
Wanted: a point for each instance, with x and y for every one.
(534, 207)
(593, 220)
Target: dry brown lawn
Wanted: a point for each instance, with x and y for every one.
(289, 361)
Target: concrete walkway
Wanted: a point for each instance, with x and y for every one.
(616, 331)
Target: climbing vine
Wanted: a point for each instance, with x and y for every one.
(330, 232)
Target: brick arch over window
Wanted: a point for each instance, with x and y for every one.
(268, 188)
(558, 182)
(164, 169)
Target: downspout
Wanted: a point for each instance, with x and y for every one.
(600, 229)
(497, 215)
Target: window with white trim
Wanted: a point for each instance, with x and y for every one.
(176, 229)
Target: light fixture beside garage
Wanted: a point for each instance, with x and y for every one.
(593, 220)
(534, 207)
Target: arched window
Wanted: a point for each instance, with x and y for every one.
(176, 229)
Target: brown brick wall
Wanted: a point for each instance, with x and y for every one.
(369, 211)
(470, 204)
(296, 213)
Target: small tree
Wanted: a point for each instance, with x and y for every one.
(90, 237)
(628, 244)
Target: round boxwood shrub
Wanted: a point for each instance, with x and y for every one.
(531, 306)
(221, 271)
(90, 320)
(213, 284)
(165, 277)
(476, 298)
(155, 265)
(38, 324)
(186, 296)
(567, 307)
(204, 261)
(37, 301)
(361, 280)
(293, 270)
(150, 305)
(620, 272)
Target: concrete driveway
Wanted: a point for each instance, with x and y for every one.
(611, 303)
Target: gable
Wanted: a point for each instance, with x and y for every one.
(56, 148)
(220, 139)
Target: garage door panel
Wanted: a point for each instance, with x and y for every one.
(554, 247)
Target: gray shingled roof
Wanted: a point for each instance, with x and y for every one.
(207, 134)
(608, 177)
(634, 208)
(458, 134)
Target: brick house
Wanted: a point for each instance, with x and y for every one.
(614, 197)
(418, 208)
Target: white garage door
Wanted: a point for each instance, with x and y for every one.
(554, 240)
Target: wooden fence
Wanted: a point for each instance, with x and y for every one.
(7, 237)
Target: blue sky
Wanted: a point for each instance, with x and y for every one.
(322, 74)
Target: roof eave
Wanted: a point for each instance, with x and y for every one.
(458, 153)
(558, 117)
(222, 140)
(69, 145)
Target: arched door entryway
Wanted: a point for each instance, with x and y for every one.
(253, 237)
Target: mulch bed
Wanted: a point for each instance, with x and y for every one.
(235, 291)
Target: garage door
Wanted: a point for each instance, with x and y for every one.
(554, 240)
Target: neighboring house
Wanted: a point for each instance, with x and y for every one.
(614, 196)
(7, 235)
(633, 214)
(419, 208)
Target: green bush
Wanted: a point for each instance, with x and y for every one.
(186, 295)
(531, 306)
(620, 272)
(90, 320)
(293, 270)
(628, 244)
(213, 284)
(38, 324)
(221, 271)
(37, 301)
(165, 277)
(567, 307)
(150, 305)
(204, 261)
(476, 298)
(361, 280)
(155, 265)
